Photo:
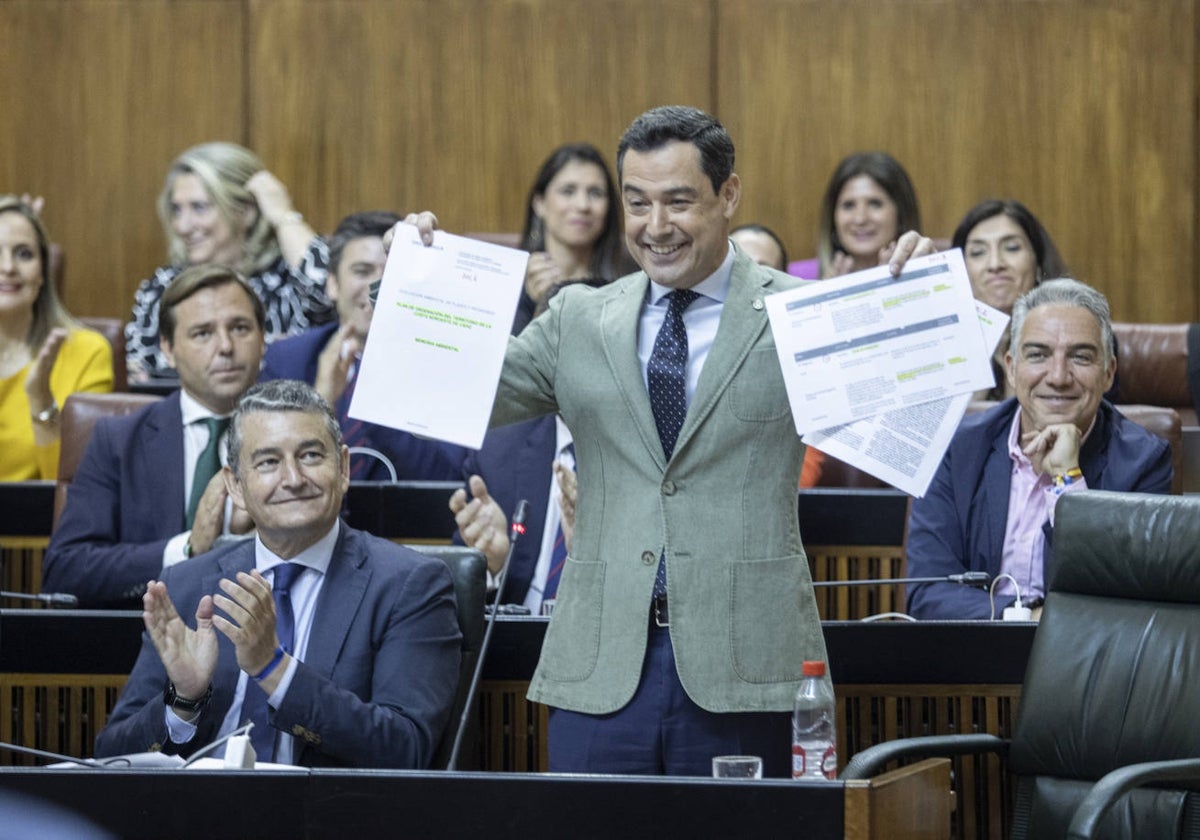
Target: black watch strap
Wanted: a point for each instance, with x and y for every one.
(184, 704)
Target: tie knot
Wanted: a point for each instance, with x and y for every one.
(285, 576)
(681, 299)
(216, 426)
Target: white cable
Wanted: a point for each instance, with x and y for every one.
(992, 598)
(366, 450)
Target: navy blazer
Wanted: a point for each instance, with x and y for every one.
(414, 459)
(377, 682)
(960, 524)
(515, 461)
(125, 502)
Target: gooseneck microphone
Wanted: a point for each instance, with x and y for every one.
(516, 531)
(965, 579)
(54, 599)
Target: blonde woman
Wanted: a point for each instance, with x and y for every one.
(219, 205)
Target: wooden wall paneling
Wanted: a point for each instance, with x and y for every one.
(452, 105)
(1085, 111)
(100, 97)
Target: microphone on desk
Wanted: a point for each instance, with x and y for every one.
(963, 578)
(979, 579)
(515, 533)
(54, 599)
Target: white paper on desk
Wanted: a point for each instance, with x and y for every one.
(869, 342)
(905, 446)
(432, 360)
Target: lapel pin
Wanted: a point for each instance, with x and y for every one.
(758, 304)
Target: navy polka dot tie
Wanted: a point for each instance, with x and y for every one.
(666, 375)
(667, 371)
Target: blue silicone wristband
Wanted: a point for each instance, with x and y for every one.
(275, 660)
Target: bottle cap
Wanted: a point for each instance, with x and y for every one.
(813, 668)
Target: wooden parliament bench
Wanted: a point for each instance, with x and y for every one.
(61, 672)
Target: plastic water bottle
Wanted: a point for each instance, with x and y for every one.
(814, 726)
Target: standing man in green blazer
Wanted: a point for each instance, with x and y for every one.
(685, 608)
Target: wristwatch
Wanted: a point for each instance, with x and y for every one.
(183, 704)
(47, 416)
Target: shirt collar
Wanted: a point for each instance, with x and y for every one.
(562, 435)
(714, 286)
(317, 556)
(191, 409)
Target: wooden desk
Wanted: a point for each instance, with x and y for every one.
(848, 534)
(907, 804)
(418, 511)
(60, 672)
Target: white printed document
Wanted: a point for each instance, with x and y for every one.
(432, 360)
(859, 345)
(905, 446)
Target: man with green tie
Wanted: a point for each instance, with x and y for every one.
(148, 494)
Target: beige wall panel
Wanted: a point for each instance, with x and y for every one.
(1086, 110)
(453, 104)
(99, 96)
(1083, 110)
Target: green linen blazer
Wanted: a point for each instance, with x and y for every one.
(723, 508)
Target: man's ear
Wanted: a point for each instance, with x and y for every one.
(168, 350)
(731, 194)
(232, 487)
(344, 477)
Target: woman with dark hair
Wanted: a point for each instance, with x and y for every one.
(572, 226)
(219, 205)
(1007, 252)
(868, 204)
(45, 354)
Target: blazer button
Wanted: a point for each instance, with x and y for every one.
(649, 558)
(668, 488)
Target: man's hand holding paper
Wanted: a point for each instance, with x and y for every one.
(442, 319)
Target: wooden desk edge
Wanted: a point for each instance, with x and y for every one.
(911, 802)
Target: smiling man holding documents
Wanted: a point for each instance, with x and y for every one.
(685, 608)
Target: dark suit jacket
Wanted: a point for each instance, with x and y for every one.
(515, 462)
(413, 458)
(125, 503)
(960, 524)
(377, 682)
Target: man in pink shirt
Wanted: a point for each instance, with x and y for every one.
(991, 504)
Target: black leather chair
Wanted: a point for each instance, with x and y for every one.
(468, 568)
(1107, 716)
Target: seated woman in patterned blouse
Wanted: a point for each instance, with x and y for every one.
(220, 205)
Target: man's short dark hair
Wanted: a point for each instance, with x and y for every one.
(356, 226)
(192, 280)
(660, 126)
(281, 395)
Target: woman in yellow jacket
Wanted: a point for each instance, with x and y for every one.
(45, 354)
